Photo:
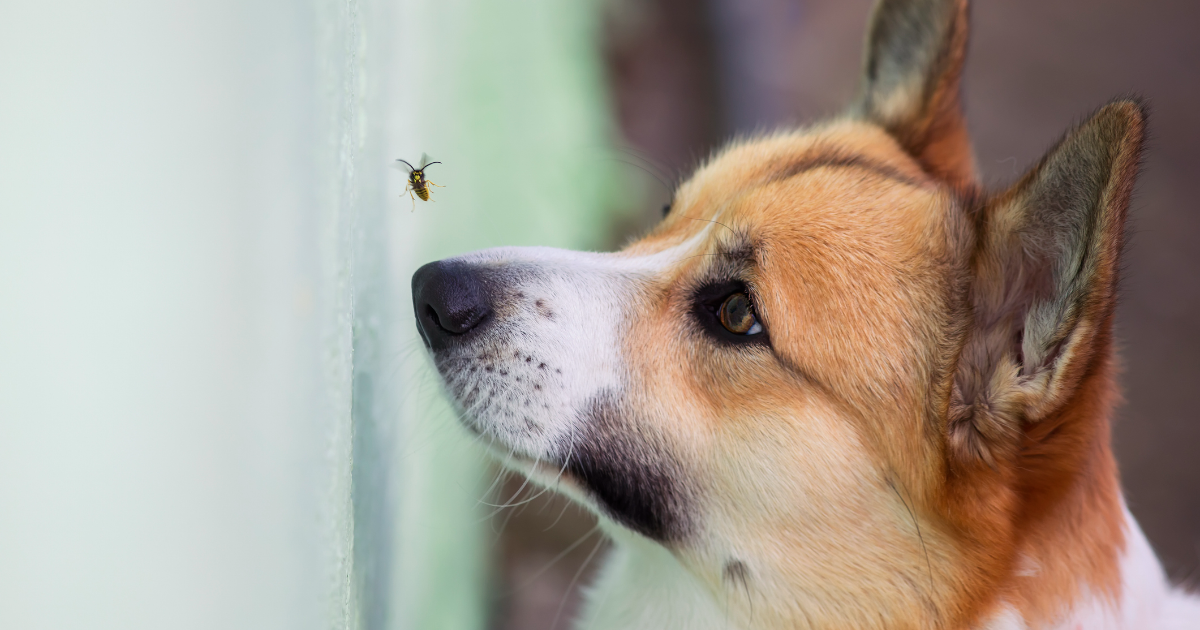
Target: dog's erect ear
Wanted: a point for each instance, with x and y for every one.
(1045, 275)
(912, 64)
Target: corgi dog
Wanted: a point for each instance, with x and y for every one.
(840, 385)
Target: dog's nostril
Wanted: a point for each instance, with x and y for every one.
(433, 316)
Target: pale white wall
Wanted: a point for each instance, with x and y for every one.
(214, 410)
(171, 357)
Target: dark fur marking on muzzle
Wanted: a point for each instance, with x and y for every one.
(634, 480)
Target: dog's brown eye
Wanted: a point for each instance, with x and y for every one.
(737, 315)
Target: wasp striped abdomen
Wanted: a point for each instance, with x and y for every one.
(419, 185)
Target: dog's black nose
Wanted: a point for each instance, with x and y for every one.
(450, 301)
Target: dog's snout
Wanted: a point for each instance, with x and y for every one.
(450, 300)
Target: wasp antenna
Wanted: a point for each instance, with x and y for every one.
(428, 164)
(410, 166)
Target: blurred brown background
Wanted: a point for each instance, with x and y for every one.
(685, 75)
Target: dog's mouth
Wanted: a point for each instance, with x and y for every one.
(605, 465)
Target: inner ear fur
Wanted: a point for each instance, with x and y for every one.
(912, 66)
(1044, 286)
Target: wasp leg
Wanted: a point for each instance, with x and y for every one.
(408, 189)
(433, 184)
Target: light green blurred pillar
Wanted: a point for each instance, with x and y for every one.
(510, 97)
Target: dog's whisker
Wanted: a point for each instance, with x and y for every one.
(499, 475)
(507, 517)
(555, 561)
(566, 504)
(546, 488)
(505, 466)
(511, 503)
(491, 516)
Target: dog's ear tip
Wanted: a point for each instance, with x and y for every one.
(1128, 115)
(915, 51)
(1131, 106)
(1121, 122)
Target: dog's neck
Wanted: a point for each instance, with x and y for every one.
(1081, 561)
(1141, 598)
(1073, 533)
(642, 586)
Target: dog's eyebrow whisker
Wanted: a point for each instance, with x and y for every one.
(709, 254)
(653, 164)
(731, 230)
(658, 177)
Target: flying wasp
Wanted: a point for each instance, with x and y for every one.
(417, 183)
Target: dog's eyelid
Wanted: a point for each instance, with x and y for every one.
(715, 290)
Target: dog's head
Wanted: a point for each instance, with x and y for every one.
(836, 370)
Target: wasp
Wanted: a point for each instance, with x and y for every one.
(417, 183)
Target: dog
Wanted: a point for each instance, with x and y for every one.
(840, 385)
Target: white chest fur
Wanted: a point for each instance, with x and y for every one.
(1147, 600)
